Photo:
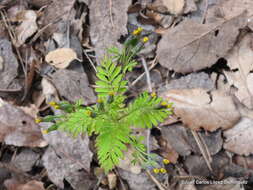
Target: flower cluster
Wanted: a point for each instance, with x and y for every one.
(138, 32)
(161, 170)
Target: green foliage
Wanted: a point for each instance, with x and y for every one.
(111, 119)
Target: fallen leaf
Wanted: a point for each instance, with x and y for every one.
(25, 160)
(240, 62)
(193, 80)
(172, 6)
(66, 156)
(192, 46)
(56, 16)
(197, 108)
(239, 138)
(190, 6)
(9, 69)
(73, 86)
(112, 180)
(27, 27)
(61, 58)
(107, 23)
(49, 90)
(137, 181)
(18, 128)
(12, 184)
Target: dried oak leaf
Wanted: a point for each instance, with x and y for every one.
(197, 108)
(107, 23)
(240, 61)
(12, 184)
(73, 86)
(61, 58)
(65, 157)
(239, 138)
(18, 128)
(9, 66)
(191, 46)
(27, 27)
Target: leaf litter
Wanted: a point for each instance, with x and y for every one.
(190, 38)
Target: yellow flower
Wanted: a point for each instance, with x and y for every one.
(56, 107)
(156, 170)
(145, 39)
(166, 161)
(99, 101)
(88, 112)
(162, 170)
(38, 120)
(137, 31)
(153, 94)
(52, 103)
(164, 103)
(45, 131)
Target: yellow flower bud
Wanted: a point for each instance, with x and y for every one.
(38, 120)
(45, 131)
(162, 170)
(88, 112)
(52, 103)
(56, 107)
(99, 101)
(166, 161)
(164, 103)
(145, 39)
(156, 170)
(153, 94)
(137, 31)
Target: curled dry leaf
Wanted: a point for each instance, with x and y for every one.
(61, 58)
(240, 61)
(197, 108)
(192, 46)
(239, 138)
(18, 128)
(27, 27)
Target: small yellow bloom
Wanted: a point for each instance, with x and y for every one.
(153, 94)
(45, 131)
(166, 161)
(52, 103)
(156, 170)
(164, 103)
(88, 112)
(137, 31)
(99, 101)
(56, 107)
(145, 39)
(162, 170)
(111, 93)
(38, 120)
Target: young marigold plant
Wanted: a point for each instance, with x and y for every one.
(111, 119)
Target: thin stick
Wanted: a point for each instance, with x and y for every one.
(205, 11)
(154, 63)
(110, 9)
(202, 150)
(158, 184)
(91, 62)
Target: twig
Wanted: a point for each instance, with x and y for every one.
(158, 184)
(205, 12)
(110, 9)
(91, 62)
(143, 61)
(203, 150)
(154, 63)
(10, 90)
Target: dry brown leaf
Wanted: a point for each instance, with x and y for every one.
(192, 46)
(18, 128)
(10, 64)
(240, 61)
(175, 7)
(73, 86)
(107, 23)
(112, 180)
(239, 138)
(197, 108)
(61, 58)
(27, 27)
(12, 184)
